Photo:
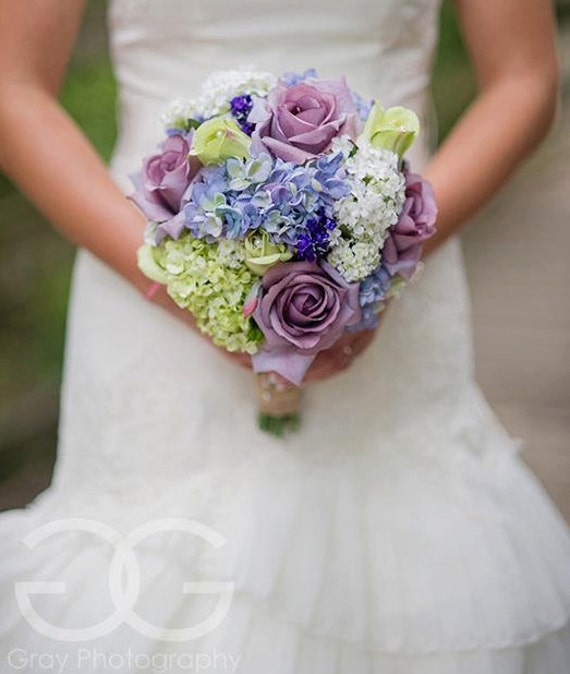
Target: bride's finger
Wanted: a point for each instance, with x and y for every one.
(241, 359)
(362, 341)
(328, 363)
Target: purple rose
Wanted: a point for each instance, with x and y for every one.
(403, 247)
(300, 121)
(303, 308)
(163, 180)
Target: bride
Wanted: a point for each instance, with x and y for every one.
(399, 531)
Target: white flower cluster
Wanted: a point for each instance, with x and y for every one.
(354, 260)
(343, 144)
(216, 92)
(179, 112)
(364, 216)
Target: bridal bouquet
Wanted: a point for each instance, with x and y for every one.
(282, 213)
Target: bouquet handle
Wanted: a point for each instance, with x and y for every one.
(279, 404)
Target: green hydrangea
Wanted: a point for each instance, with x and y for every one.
(212, 281)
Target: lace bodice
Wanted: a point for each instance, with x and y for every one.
(383, 46)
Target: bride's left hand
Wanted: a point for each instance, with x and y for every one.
(340, 356)
(343, 353)
(327, 363)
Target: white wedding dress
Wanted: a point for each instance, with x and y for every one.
(398, 532)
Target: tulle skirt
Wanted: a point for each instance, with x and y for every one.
(383, 561)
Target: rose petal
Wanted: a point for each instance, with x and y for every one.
(150, 203)
(290, 124)
(307, 308)
(173, 227)
(313, 116)
(287, 152)
(303, 109)
(287, 362)
(319, 135)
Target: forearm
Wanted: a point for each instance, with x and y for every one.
(51, 161)
(504, 124)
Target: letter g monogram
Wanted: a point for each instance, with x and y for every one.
(124, 581)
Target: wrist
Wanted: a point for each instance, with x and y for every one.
(151, 290)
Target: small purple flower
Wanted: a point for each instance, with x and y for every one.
(313, 242)
(304, 308)
(403, 247)
(299, 122)
(240, 107)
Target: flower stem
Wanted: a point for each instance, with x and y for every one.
(279, 426)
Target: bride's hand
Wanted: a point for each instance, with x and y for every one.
(340, 356)
(327, 363)
(161, 297)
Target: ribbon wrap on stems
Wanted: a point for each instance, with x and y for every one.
(279, 403)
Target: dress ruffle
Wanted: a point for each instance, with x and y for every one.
(389, 558)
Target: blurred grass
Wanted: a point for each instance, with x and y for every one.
(37, 283)
(453, 84)
(35, 272)
(35, 263)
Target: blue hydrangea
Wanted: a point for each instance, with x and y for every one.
(363, 105)
(294, 196)
(294, 204)
(203, 214)
(375, 287)
(290, 79)
(368, 319)
(373, 290)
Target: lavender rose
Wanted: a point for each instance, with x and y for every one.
(304, 308)
(300, 121)
(163, 180)
(403, 247)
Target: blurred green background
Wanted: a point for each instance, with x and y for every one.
(35, 263)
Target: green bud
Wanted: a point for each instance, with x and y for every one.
(219, 139)
(261, 253)
(147, 263)
(393, 129)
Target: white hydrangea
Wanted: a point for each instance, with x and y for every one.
(377, 193)
(178, 112)
(354, 260)
(343, 144)
(216, 92)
